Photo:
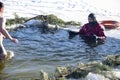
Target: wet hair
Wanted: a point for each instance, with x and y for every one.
(92, 16)
(1, 4)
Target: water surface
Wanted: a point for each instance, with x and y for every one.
(37, 51)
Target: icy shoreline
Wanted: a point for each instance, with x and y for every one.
(105, 70)
(67, 10)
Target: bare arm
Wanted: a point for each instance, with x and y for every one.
(5, 32)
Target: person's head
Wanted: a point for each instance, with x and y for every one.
(1, 6)
(92, 20)
(91, 17)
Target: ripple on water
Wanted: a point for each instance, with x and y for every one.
(45, 51)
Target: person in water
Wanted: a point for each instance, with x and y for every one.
(4, 34)
(92, 32)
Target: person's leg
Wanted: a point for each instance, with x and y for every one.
(3, 52)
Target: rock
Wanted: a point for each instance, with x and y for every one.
(112, 75)
(90, 71)
(61, 71)
(43, 75)
(112, 60)
(93, 76)
(34, 23)
(10, 55)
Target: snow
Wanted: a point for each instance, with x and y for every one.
(75, 10)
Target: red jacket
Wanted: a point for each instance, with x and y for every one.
(97, 30)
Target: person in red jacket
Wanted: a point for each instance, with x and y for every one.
(92, 32)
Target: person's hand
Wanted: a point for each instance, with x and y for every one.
(14, 40)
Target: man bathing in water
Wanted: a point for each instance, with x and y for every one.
(4, 34)
(92, 32)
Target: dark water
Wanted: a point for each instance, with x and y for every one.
(37, 51)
